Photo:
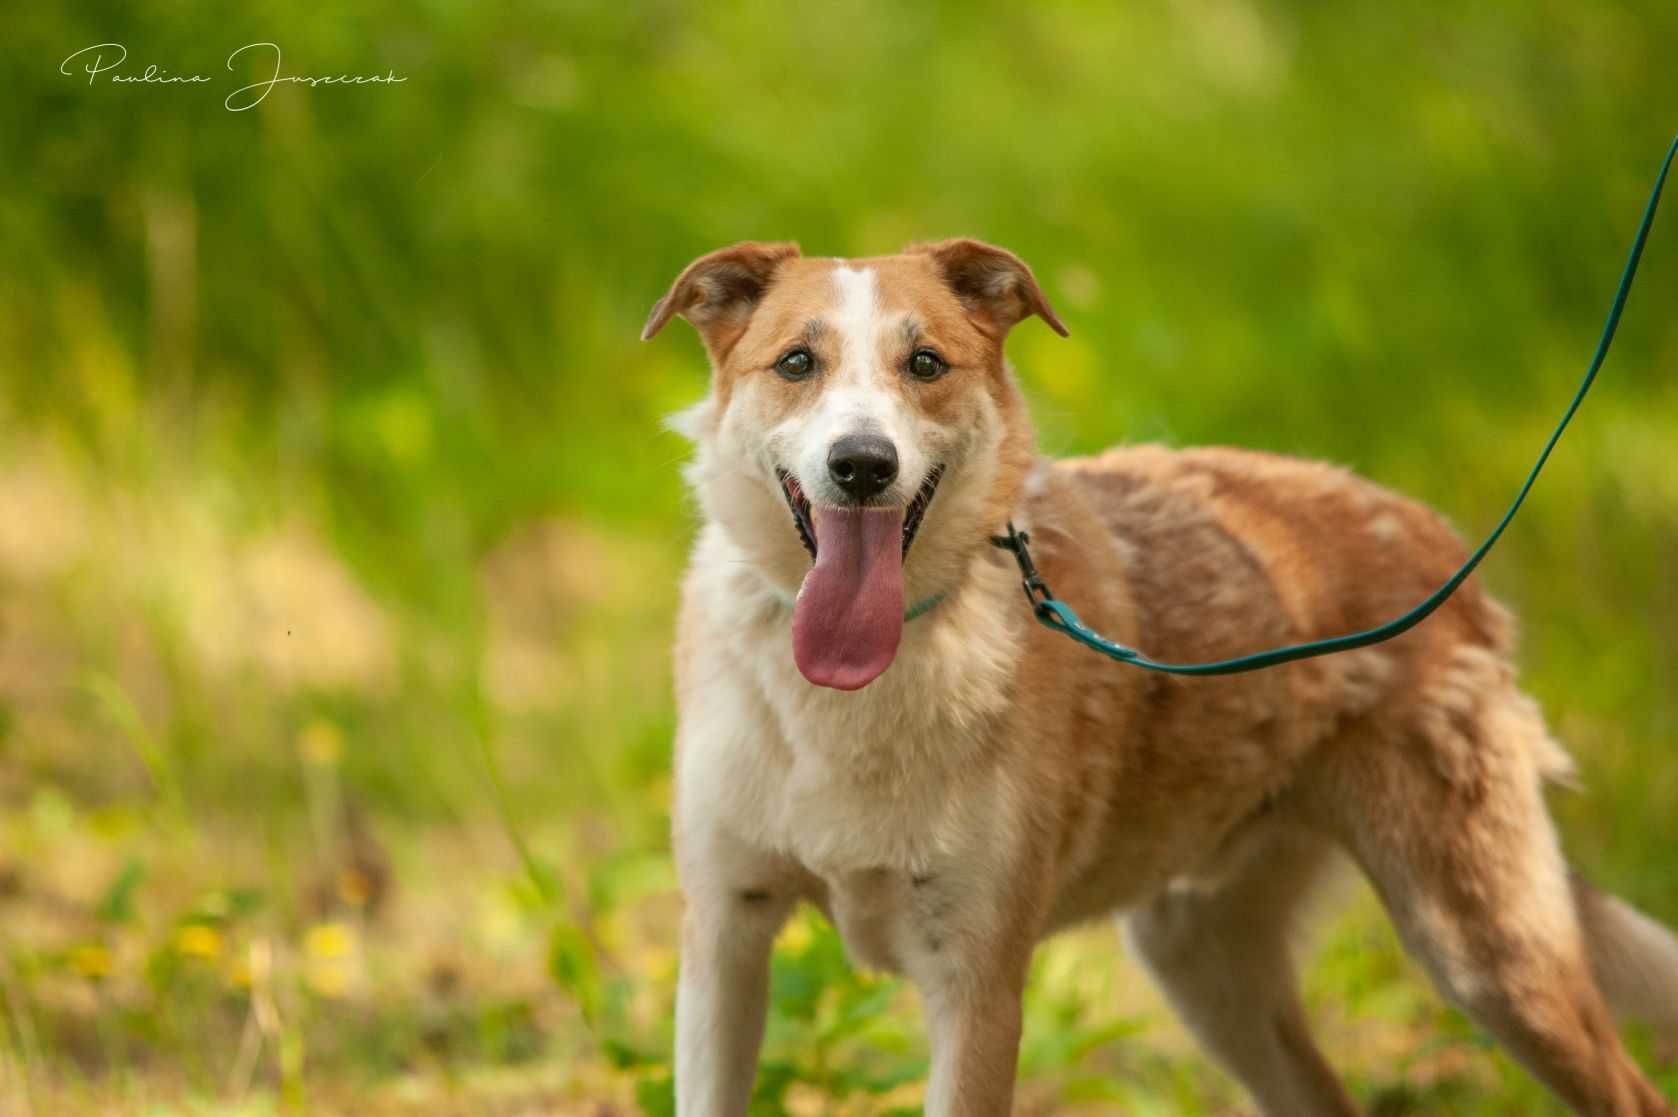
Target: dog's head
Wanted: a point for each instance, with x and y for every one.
(862, 437)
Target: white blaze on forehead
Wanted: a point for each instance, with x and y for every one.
(857, 317)
(856, 395)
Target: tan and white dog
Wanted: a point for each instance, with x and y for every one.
(872, 720)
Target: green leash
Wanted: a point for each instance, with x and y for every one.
(1059, 616)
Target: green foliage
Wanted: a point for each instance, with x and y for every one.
(117, 906)
(339, 535)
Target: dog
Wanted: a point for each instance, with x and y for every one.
(871, 720)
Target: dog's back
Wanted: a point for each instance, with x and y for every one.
(1228, 552)
(1327, 550)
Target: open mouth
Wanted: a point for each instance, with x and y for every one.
(912, 516)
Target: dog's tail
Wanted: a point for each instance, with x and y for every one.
(1635, 959)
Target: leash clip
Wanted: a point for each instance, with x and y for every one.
(1036, 589)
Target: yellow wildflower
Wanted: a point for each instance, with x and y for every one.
(321, 743)
(329, 941)
(199, 940)
(91, 960)
(795, 936)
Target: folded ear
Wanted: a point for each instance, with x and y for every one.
(995, 284)
(721, 288)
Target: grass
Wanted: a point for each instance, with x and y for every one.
(339, 536)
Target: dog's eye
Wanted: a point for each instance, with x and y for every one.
(924, 364)
(796, 365)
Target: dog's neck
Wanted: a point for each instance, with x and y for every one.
(970, 564)
(913, 612)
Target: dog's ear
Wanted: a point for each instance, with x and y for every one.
(995, 285)
(719, 290)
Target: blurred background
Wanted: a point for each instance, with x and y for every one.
(339, 534)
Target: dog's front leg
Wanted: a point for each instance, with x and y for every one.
(975, 1046)
(734, 909)
(971, 970)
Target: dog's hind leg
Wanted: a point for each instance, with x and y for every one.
(1221, 956)
(1447, 818)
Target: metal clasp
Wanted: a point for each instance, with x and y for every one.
(1036, 589)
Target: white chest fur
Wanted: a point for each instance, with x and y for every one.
(899, 777)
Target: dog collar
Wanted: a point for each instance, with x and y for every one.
(914, 612)
(923, 607)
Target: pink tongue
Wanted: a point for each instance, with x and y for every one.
(849, 614)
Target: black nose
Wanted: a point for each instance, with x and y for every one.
(862, 464)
